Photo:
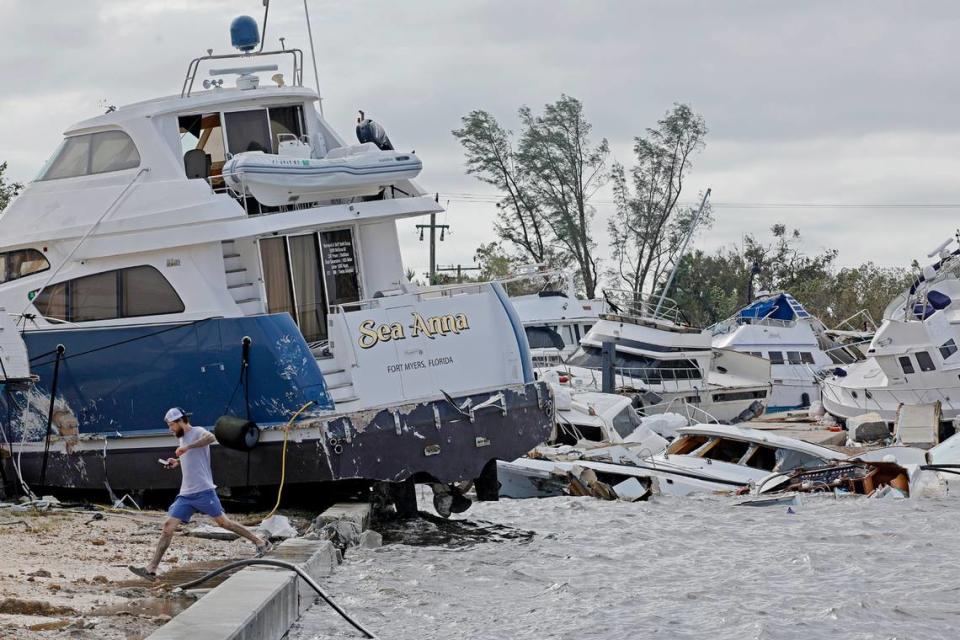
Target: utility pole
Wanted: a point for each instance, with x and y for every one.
(433, 226)
(459, 269)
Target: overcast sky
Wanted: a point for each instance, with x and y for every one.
(807, 102)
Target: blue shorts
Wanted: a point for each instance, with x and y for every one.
(205, 502)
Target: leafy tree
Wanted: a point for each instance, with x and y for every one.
(8, 190)
(491, 157)
(548, 178)
(565, 171)
(710, 288)
(649, 225)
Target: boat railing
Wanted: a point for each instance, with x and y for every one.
(429, 293)
(194, 66)
(869, 399)
(691, 412)
(629, 303)
(668, 379)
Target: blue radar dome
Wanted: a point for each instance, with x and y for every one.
(244, 33)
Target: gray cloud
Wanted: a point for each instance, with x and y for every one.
(806, 102)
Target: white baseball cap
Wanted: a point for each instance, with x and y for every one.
(175, 414)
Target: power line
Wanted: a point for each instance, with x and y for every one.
(494, 199)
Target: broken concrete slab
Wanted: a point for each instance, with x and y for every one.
(211, 532)
(356, 512)
(370, 539)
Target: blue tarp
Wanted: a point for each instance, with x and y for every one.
(780, 307)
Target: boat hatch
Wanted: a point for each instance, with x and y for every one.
(304, 275)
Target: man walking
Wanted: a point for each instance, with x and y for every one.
(197, 492)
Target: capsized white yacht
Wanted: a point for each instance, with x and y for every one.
(913, 357)
(667, 365)
(144, 274)
(778, 328)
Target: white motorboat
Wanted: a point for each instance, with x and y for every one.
(704, 458)
(666, 364)
(554, 318)
(912, 359)
(777, 327)
(287, 177)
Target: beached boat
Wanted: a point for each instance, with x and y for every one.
(140, 279)
(703, 458)
(554, 318)
(777, 327)
(667, 365)
(912, 359)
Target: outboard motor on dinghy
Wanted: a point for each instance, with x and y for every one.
(370, 131)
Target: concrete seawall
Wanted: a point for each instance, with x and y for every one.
(256, 603)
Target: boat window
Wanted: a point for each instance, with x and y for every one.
(905, 364)
(203, 133)
(756, 353)
(21, 263)
(789, 459)
(761, 458)
(806, 357)
(543, 338)
(340, 266)
(686, 444)
(626, 421)
(948, 348)
(727, 450)
(291, 276)
(123, 293)
(567, 333)
(248, 131)
(925, 361)
(92, 153)
(576, 332)
(793, 357)
(285, 120)
(586, 328)
(641, 367)
(776, 357)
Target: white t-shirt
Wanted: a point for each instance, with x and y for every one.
(195, 464)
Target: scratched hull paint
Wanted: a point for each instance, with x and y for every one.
(426, 440)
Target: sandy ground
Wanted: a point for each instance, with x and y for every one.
(64, 574)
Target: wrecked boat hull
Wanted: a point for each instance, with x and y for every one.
(113, 386)
(427, 441)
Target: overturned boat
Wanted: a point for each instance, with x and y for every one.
(141, 278)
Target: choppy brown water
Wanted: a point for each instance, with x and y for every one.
(670, 568)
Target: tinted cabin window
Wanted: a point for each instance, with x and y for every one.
(776, 357)
(905, 364)
(948, 348)
(248, 131)
(124, 293)
(21, 263)
(284, 120)
(806, 357)
(925, 361)
(793, 357)
(92, 153)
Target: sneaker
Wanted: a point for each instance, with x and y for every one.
(264, 549)
(143, 573)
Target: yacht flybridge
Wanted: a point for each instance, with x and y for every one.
(912, 358)
(225, 250)
(778, 328)
(666, 364)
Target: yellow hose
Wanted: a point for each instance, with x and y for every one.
(283, 459)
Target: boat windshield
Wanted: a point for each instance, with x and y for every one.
(789, 460)
(626, 422)
(637, 366)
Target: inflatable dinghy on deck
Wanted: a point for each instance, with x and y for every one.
(357, 170)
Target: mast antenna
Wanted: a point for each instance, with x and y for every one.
(313, 54)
